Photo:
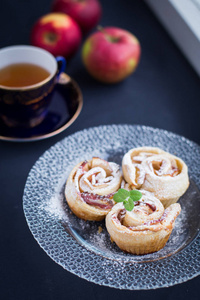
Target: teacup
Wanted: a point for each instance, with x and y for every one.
(26, 105)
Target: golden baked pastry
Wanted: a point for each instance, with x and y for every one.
(90, 187)
(146, 228)
(156, 171)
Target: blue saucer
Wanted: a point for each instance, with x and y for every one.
(65, 107)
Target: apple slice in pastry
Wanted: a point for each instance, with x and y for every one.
(145, 229)
(156, 171)
(90, 188)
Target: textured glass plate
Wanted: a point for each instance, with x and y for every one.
(84, 248)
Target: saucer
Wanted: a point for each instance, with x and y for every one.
(65, 107)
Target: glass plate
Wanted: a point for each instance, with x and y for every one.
(84, 248)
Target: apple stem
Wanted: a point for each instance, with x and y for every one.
(108, 36)
(100, 28)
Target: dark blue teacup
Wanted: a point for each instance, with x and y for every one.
(27, 106)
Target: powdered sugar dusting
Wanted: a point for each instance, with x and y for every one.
(87, 233)
(78, 246)
(56, 206)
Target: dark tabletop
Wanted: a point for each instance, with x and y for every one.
(164, 92)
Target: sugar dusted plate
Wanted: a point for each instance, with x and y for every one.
(84, 248)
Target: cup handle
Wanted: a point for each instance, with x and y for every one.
(61, 65)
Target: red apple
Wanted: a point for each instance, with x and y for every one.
(111, 54)
(86, 13)
(57, 33)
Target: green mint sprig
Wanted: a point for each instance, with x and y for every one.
(127, 197)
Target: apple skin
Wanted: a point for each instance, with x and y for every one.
(57, 33)
(111, 54)
(86, 13)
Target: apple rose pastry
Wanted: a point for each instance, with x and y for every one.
(156, 171)
(146, 228)
(90, 188)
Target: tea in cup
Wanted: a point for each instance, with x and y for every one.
(28, 76)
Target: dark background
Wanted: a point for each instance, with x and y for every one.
(164, 92)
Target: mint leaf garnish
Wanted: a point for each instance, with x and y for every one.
(135, 195)
(128, 204)
(127, 197)
(121, 195)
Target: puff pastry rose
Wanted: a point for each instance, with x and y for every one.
(90, 188)
(146, 228)
(156, 171)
